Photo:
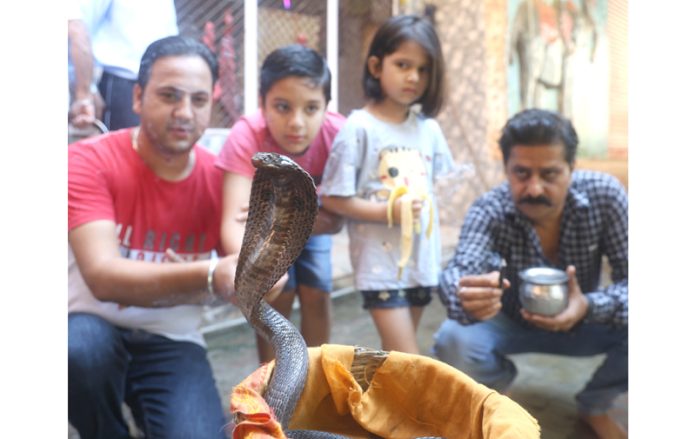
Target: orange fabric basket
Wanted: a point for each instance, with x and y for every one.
(357, 392)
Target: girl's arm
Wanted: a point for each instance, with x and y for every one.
(365, 210)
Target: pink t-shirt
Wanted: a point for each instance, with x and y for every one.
(250, 135)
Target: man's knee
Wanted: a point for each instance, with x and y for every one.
(472, 349)
(453, 344)
(93, 345)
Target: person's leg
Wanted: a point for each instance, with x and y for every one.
(418, 298)
(313, 273)
(475, 350)
(480, 349)
(391, 314)
(416, 314)
(608, 381)
(611, 377)
(315, 308)
(118, 102)
(171, 390)
(97, 368)
(396, 329)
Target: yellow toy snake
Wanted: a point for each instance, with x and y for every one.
(403, 173)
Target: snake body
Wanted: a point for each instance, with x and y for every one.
(282, 209)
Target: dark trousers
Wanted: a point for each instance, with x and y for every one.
(168, 385)
(118, 102)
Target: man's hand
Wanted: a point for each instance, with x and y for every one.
(223, 278)
(480, 294)
(576, 310)
(83, 112)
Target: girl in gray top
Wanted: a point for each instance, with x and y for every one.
(380, 177)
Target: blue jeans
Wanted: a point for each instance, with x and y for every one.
(480, 350)
(168, 385)
(313, 266)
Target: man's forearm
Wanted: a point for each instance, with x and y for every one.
(147, 284)
(82, 58)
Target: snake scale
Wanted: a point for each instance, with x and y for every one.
(282, 209)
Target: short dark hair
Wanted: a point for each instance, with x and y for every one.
(533, 127)
(174, 46)
(295, 60)
(395, 31)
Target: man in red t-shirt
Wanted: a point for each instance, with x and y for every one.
(138, 198)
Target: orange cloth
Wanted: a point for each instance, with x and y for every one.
(252, 414)
(409, 396)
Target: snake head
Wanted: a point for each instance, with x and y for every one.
(272, 162)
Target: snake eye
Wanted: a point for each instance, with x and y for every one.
(393, 172)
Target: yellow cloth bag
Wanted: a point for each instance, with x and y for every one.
(409, 396)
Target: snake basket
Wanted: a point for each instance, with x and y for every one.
(368, 393)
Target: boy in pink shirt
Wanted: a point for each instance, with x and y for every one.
(293, 121)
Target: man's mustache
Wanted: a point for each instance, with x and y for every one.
(536, 201)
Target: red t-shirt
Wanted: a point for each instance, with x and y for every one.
(107, 179)
(250, 135)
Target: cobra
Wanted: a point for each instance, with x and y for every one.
(282, 210)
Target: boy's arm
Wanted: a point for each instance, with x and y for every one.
(327, 222)
(112, 278)
(236, 190)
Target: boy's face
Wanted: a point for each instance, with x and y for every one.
(294, 110)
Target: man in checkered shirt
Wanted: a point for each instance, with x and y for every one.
(546, 214)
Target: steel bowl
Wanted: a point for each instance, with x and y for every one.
(543, 290)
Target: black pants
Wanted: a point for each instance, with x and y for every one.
(118, 102)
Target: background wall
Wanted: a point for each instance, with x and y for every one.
(476, 36)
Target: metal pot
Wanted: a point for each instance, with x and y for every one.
(543, 290)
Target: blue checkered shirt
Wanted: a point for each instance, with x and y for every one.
(594, 223)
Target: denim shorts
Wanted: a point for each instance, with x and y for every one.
(398, 298)
(313, 266)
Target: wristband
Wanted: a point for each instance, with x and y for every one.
(211, 273)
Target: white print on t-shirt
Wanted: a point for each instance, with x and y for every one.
(155, 244)
(152, 256)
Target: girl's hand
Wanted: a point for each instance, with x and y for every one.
(416, 207)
